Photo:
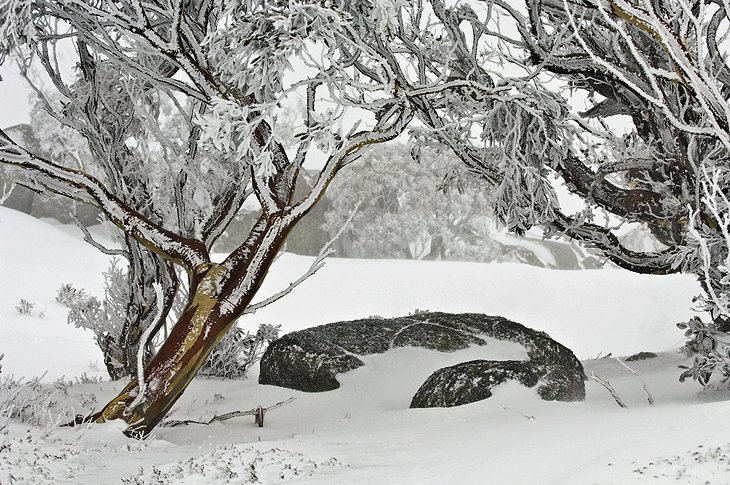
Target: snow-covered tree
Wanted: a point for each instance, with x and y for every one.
(410, 210)
(497, 82)
(189, 96)
(185, 97)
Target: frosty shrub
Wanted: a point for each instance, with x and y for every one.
(67, 294)
(41, 404)
(238, 351)
(29, 402)
(24, 307)
(105, 318)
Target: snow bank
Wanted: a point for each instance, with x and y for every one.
(608, 310)
(364, 433)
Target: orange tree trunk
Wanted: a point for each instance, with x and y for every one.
(178, 360)
(215, 304)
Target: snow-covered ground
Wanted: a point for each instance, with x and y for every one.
(364, 433)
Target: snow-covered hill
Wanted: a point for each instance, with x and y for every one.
(364, 433)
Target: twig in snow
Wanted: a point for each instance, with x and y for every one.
(526, 416)
(650, 398)
(609, 388)
(257, 411)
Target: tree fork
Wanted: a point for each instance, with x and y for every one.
(202, 325)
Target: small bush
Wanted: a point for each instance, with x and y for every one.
(38, 404)
(25, 307)
(66, 294)
(87, 379)
(29, 402)
(238, 351)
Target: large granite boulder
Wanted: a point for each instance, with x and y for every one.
(309, 360)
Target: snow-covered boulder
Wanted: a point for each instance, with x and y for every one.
(474, 380)
(309, 360)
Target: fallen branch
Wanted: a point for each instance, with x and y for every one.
(526, 416)
(609, 388)
(257, 411)
(650, 398)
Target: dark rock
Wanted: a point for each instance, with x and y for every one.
(641, 356)
(471, 381)
(304, 362)
(309, 360)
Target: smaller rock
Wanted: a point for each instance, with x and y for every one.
(470, 381)
(473, 381)
(302, 362)
(641, 356)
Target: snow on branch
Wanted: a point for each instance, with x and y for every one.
(75, 184)
(317, 264)
(141, 384)
(90, 240)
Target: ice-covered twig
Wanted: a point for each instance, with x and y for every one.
(6, 192)
(316, 265)
(650, 398)
(609, 388)
(90, 239)
(716, 203)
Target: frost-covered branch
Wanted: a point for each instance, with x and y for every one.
(143, 342)
(75, 184)
(6, 192)
(90, 239)
(649, 397)
(607, 385)
(317, 264)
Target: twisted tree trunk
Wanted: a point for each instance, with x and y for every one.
(218, 295)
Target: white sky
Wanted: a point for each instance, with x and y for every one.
(14, 106)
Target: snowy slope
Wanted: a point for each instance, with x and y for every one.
(608, 310)
(35, 260)
(364, 433)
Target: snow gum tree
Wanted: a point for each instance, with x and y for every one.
(497, 82)
(185, 96)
